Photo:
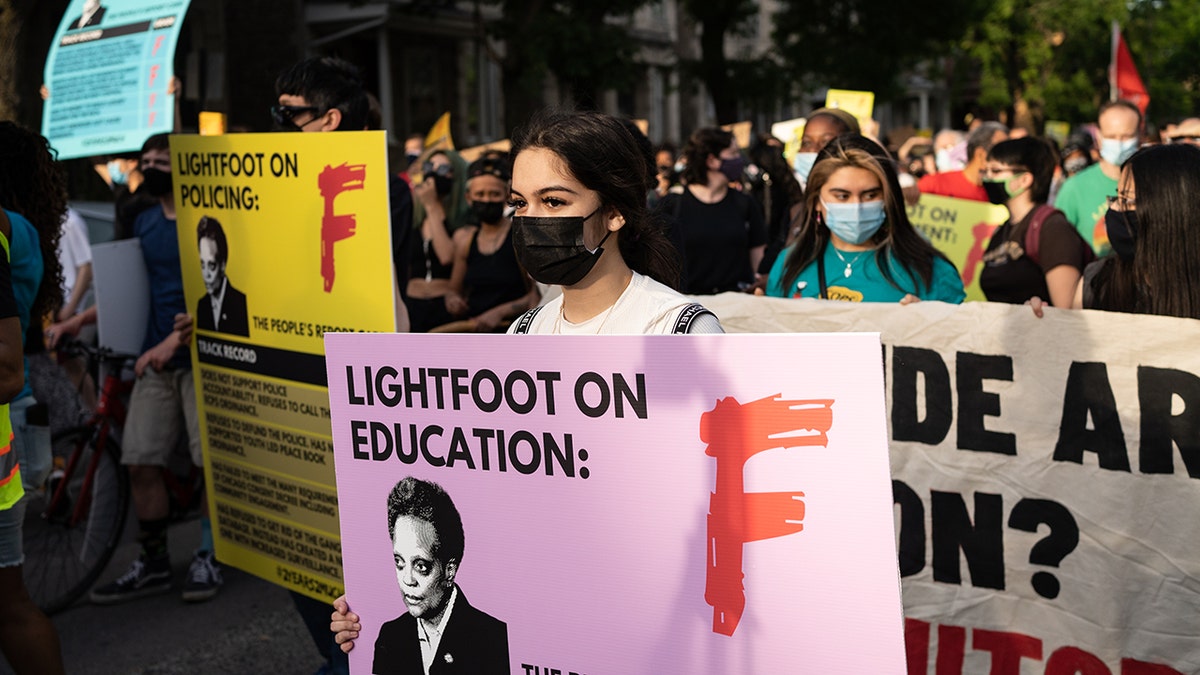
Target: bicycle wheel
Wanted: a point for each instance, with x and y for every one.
(74, 523)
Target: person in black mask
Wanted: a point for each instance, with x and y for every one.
(722, 230)
(1037, 252)
(579, 185)
(1151, 226)
(162, 407)
(487, 283)
(579, 190)
(439, 209)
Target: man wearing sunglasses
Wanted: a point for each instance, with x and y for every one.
(321, 94)
(327, 94)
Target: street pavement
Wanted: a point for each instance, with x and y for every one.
(251, 626)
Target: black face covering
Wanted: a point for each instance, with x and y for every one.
(488, 212)
(443, 184)
(156, 181)
(1122, 232)
(551, 248)
(997, 192)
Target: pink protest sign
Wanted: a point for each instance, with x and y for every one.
(700, 504)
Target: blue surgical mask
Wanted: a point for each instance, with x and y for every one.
(114, 172)
(1116, 152)
(803, 164)
(854, 223)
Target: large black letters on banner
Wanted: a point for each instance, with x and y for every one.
(1161, 429)
(907, 362)
(912, 528)
(982, 543)
(1088, 391)
(970, 370)
(1051, 549)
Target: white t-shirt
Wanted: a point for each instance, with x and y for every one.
(646, 307)
(74, 251)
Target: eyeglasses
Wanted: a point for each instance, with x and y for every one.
(1127, 203)
(285, 115)
(443, 170)
(986, 172)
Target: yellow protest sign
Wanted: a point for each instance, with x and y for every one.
(791, 132)
(740, 131)
(212, 123)
(475, 152)
(282, 237)
(861, 104)
(961, 229)
(439, 134)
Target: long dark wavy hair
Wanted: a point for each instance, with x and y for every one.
(896, 239)
(602, 155)
(1164, 275)
(32, 184)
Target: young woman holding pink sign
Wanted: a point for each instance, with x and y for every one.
(579, 189)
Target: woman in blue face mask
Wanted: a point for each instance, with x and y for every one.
(854, 241)
(721, 231)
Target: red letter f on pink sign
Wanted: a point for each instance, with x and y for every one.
(333, 181)
(735, 432)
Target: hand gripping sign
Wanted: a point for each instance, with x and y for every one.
(334, 227)
(735, 432)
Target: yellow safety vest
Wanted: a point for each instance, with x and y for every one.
(10, 472)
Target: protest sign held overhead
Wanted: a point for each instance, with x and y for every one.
(707, 519)
(282, 238)
(109, 73)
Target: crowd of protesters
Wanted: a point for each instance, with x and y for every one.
(1100, 222)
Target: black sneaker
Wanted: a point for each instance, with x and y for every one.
(203, 579)
(145, 577)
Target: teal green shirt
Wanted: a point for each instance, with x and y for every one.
(1083, 199)
(866, 282)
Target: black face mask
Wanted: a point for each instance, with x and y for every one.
(551, 248)
(488, 212)
(443, 184)
(997, 193)
(156, 181)
(1122, 232)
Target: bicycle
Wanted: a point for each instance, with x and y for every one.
(74, 523)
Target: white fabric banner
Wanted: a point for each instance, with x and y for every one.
(1046, 476)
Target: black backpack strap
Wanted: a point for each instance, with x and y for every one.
(526, 320)
(824, 294)
(688, 316)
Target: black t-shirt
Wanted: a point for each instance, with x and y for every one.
(1009, 275)
(716, 239)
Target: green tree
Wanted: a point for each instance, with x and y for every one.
(573, 40)
(1042, 59)
(26, 29)
(726, 79)
(868, 44)
(1164, 38)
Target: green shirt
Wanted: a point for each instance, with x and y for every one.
(1083, 199)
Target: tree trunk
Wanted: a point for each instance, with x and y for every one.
(714, 68)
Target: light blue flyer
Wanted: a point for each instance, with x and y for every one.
(108, 72)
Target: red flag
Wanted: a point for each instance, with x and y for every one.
(1123, 78)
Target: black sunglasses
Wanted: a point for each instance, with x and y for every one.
(285, 114)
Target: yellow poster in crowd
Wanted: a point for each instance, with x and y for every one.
(282, 238)
(861, 104)
(961, 229)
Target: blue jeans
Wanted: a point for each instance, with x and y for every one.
(32, 443)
